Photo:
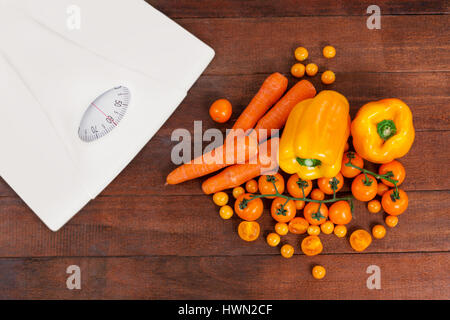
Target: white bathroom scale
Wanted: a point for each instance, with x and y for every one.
(84, 85)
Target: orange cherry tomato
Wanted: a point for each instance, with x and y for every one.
(327, 227)
(298, 188)
(301, 54)
(238, 191)
(249, 230)
(299, 205)
(391, 221)
(328, 77)
(281, 228)
(273, 239)
(317, 194)
(312, 245)
(311, 69)
(287, 251)
(329, 52)
(248, 208)
(220, 111)
(394, 205)
(360, 240)
(220, 198)
(374, 206)
(356, 160)
(283, 211)
(364, 190)
(318, 272)
(251, 186)
(298, 225)
(226, 212)
(265, 184)
(325, 184)
(340, 212)
(378, 231)
(313, 230)
(340, 231)
(397, 171)
(298, 70)
(381, 189)
(313, 215)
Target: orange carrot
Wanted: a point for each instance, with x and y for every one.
(269, 93)
(277, 116)
(238, 174)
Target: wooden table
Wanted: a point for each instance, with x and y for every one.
(142, 239)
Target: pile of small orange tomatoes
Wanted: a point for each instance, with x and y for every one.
(312, 218)
(298, 69)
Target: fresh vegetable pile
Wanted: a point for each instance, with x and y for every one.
(314, 153)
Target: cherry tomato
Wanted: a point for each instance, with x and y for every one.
(226, 212)
(311, 69)
(381, 189)
(283, 211)
(313, 230)
(394, 205)
(248, 208)
(354, 159)
(299, 205)
(220, 111)
(325, 184)
(328, 77)
(238, 191)
(317, 194)
(364, 190)
(313, 215)
(360, 240)
(397, 170)
(251, 186)
(378, 231)
(249, 230)
(265, 184)
(298, 70)
(281, 228)
(340, 231)
(312, 245)
(298, 225)
(287, 251)
(329, 52)
(273, 239)
(327, 227)
(301, 54)
(220, 198)
(298, 188)
(391, 221)
(318, 272)
(340, 212)
(374, 206)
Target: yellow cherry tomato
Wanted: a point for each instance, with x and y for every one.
(340, 231)
(298, 70)
(273, 239)
(220, 198)
(378, 231)
(328, 77)
(249, 230)
(298, 225)
(312, 245)
(327, 227)
(311, 69)
(318, 272)
(391, 221)
(329, 52)
(238, 191)
(301, 54)
(313, 230)
(287, 251)
(374, 206)
(281, 228)
(360, 240)
(251, 186)
(226, 212)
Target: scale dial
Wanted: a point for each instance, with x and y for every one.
(104, 114)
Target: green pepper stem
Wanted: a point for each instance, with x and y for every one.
(386, 129)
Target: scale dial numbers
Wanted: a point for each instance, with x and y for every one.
(104, 114)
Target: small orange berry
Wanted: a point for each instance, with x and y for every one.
(318, 272)
(327, 227)
(226, 212)
(391, 221)
(340, 231)
(301, 54)
(381, 189)
(313, 230)
(317, 194)
(329, 52)
(238, 191)
(298, 70)
(287, 251)
(311, 69)
(374, 206)
(378, 231)
(273, 239)
(328, 77)
(299, 205)
(281, 228)
(251, 186)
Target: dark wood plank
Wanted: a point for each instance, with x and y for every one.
(403, 276)
(191, 226)
(292, 8)
(404, 43)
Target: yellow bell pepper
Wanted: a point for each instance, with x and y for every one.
(313, 140)
(383, 130)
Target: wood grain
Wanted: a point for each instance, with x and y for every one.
(403, 276)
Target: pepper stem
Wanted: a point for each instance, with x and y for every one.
(309, 162)
(386, 129)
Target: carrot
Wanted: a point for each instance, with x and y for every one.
(238, 174)
(277, 116)
(269, 93)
